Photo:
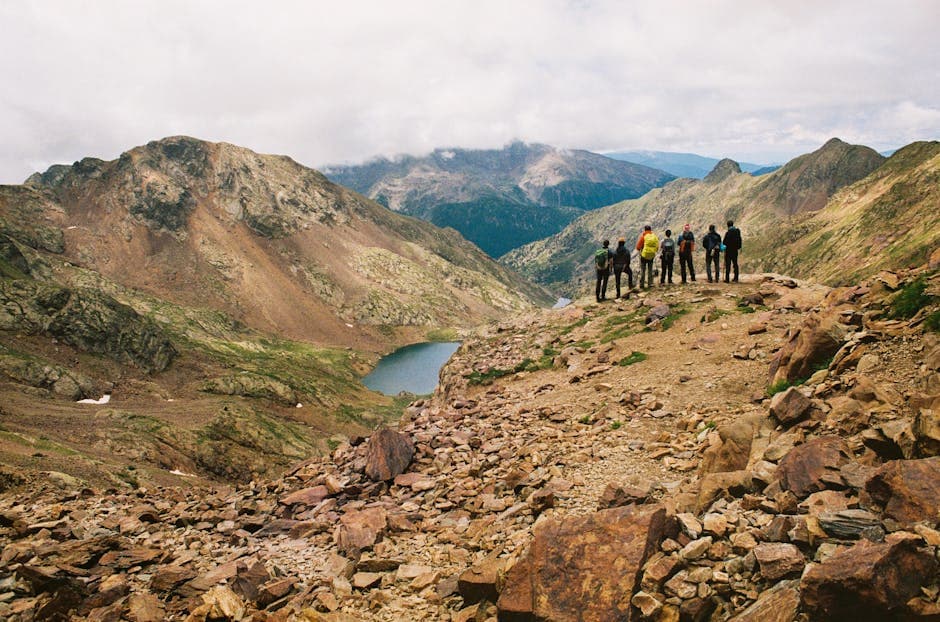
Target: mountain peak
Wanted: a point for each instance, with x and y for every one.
(724, 169)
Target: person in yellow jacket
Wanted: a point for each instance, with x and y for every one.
(648, 244)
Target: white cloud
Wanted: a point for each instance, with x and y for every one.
(328, 82)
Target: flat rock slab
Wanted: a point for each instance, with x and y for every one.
(909, 490)
(584, 568)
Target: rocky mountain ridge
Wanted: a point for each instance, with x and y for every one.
(796, 220)
(499, 199)
(765, 451)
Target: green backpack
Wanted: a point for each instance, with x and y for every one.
(601, 259)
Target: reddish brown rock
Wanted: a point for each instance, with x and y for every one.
(583, 568)
(388, 454)
(790, 407)
(818, 339)
(867, 581)
(813, 466)
(360, 530)
(306, 496)
(780, 603)
(616, 495)
(777, 560)
(909, 490)
(734, 450)
(481, 582)
(145, 608)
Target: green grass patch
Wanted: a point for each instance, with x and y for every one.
(933, 322)
(571, 327)
(911, 299)
(783, 385)
(670, 319)
(615, 425)
(442, 334)
(634, 357)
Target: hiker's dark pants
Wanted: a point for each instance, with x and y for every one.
(710, 257)
(620, 270)
(600, 290)
(666, 267)
(646, 268)
(731, 257)
(686, 260)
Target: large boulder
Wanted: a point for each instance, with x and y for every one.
(584, 568)
(909, 490)
(868, 581)
(732, 452)
(813, 466)
(388, 454)
(809, 348)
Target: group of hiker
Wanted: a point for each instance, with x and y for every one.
(649, 245)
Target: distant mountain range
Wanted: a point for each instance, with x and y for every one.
(499, 198)
(836, 214)
(684, 164)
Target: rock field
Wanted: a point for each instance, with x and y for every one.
(613, 461)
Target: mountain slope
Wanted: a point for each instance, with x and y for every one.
(890, 219)
(757, 204)
(499, 199)
(226, 302)
(268, 241)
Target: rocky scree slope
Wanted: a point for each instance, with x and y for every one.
(765, 451)
(499, 199)
(208, 290)
(770, 210)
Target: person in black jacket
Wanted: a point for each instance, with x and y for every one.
(686, 244)
(732, 244)
(712, 245)
(602, 266)
(622, 264)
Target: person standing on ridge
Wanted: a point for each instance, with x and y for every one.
(621, 264)
(686, 246)
(732, 244)
(648, 244)
(712, 245)
(667, 256)
(602, 261)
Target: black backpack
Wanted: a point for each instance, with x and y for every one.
(669, 249)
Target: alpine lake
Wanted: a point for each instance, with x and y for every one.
(411, 369)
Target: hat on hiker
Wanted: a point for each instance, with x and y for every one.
(622, 240)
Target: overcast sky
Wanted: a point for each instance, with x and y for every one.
(334, 82)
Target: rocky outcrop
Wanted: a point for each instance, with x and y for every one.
(86, 319)
(605, 551)
(868, 581)
(908, 490)
(62, 382)
(251, 385)
(809, 348)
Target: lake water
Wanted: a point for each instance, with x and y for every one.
(413, 368)
(562, 303)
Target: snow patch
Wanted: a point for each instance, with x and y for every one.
(349, 325)
(181, 473)
(299, 405)
(104, 400)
